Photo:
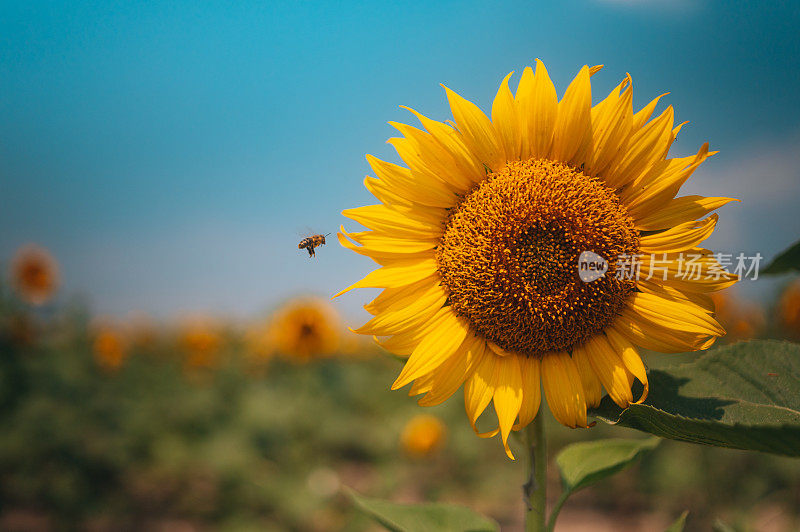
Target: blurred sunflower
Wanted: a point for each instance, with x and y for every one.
(305, 328)
(789, 310)
(479, 239)
(34, 274)
(423, 435)
(742, 319)
(110, 346)
(201, 340)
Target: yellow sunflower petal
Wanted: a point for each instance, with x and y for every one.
(641, 118)
(505, 118)
(562, 386)
(384, 219)
(630, 357)
(531, 390)
(449, 377)
(384, 258)
(662, 183)
(611, 126)
(425, 156)
(393, 276)
(659, 335)
(674, 313)
(431, 216)
(380, 241)
(429, 169)
(402, 205)
(419, 189)
(507, 396)
(478, 390)
(423, 384)
(403, 344)
(679, 238)
(470, 166)
(665, 290)
(573, 127)
(645, 148)
(680, 210)
(391, 299)
(477, 131)
(692, 287)
(537, 103)
(693, 270)
(375, 243)
(523, 99)
(434, 348)
(411, 315)
(591, 385)
(677, 129)
(610, 369)
(386, 194)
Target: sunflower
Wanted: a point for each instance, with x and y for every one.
(34, 274)
(789, 310)
(742, 319)
(423, 435)
(110, 345)
(201, 340)
(305, 328)
(479, 238)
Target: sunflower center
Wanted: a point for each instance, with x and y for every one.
(510, 250)
(306, 330)
(35, 276)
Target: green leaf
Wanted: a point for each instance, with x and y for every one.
(583, 464)
(788, 260)
(743, 396)
(429, 516)
(679, 523)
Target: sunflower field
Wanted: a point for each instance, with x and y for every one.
(408, 266)
(205, 424)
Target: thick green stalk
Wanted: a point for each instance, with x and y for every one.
(536, 487)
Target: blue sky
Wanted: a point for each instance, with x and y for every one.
(172, 154)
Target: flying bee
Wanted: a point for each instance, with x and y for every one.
(311, 242)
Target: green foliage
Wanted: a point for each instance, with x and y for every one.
(583, 464)
(787, 261)
(239, 448)
(679, 523)
(744, 396)
(417, 517)
(233, 447)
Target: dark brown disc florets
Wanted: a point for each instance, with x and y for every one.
(509, 256)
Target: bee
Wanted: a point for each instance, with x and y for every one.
(311, 242)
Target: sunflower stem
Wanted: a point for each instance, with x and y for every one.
(536, 487)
